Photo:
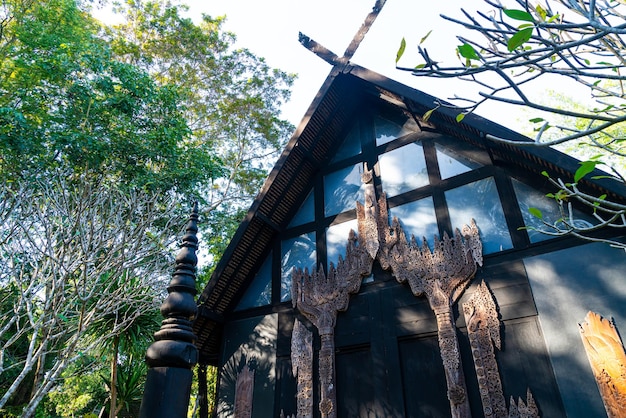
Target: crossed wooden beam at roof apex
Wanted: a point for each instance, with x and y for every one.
(332, 58)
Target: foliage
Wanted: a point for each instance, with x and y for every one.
(232, 100)
(522, 42)
(101, 131)
(75, 247)
(80, 392)
(65, 102)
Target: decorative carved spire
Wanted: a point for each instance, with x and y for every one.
(173, 354)
(174, 345)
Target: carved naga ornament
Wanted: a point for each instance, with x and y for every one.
(441, 275)
(302, 365)
(319, 298)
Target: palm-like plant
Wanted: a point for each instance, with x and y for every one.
(127, 344)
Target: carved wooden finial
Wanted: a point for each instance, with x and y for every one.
(173, 354)
(174, 341)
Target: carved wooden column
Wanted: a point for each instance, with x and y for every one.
(483, 329)
(302, 366)
(441, 275)
(319, 297)
(173, 354)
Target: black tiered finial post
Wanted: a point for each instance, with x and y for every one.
(173, 354)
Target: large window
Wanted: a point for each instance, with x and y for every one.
(434, 184)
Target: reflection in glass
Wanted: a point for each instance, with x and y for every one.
(259, 293)
(452, 163)
(337, 239)
(528, 197)
(296, 252)
(387, 131)
(403, 169)
(418, 219)
(480, 201)
(336, 242)
(306, 212)
(342, 189)
(351, 146)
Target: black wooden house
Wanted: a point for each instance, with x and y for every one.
(512, 341)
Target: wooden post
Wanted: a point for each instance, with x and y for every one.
(173, 354)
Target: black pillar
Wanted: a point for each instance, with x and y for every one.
(173, 354)
(203, 395)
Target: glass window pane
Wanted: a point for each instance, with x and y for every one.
(403, 169)
(259, 293)
(296, 252)
(306, 212)
(351, 145)
(342, 189)
(417, 218)
(480, 201)
(337, 239)
(452, 163)
(529, 197)
(387, 130)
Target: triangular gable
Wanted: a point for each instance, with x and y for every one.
(318, 145)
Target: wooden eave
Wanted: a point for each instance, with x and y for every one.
(312, 146)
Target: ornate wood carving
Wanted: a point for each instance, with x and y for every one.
(302, 365)
(319, 297)
(244, 389)
(523, 410)
(608, 361)
(441, 275)
(483, 328)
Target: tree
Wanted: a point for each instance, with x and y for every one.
(66, 102)
(76, 246)
(522, 42)
(133, 341)
(232, 100)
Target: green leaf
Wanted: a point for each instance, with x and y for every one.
(519, 38)
(460, 117)
(541, 12)
(519, 15)
(545, 174)
(536, 120)
(553, 18)
(585, 168)
(428, 114)
(536, 213)
(425, 37)
(601, 177)
(401, 50)
(467, 51)
(420, 66)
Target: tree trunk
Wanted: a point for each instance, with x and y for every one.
(113, 408)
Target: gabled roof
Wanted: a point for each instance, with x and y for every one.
(312, 146)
